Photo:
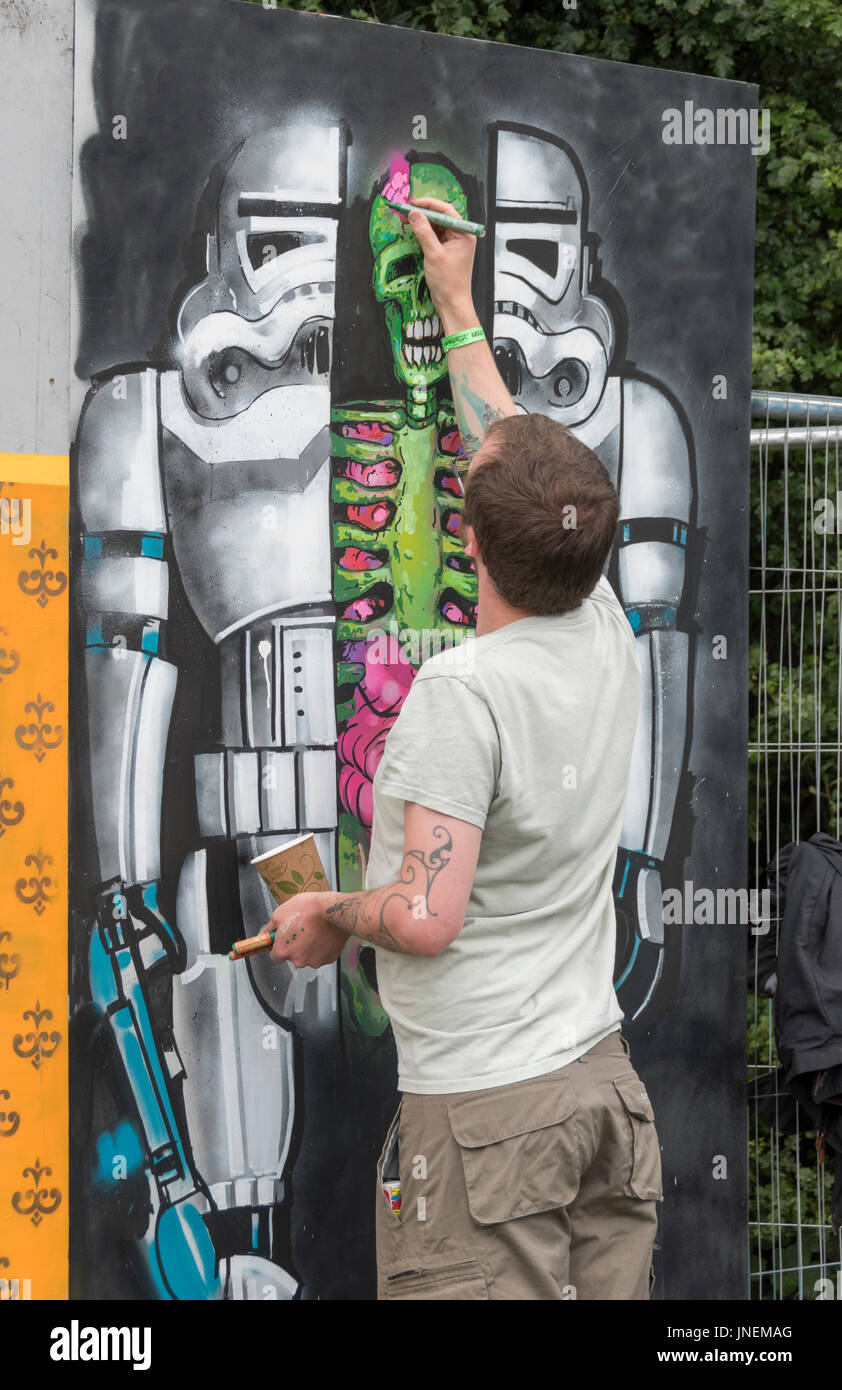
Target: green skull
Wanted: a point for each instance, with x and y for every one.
(413, 325)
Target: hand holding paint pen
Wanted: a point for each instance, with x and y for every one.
(291, 868)
(252, 945)
(451, 221)
(448, 261)
(448, 244)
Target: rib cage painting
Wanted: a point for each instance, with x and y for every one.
(266, 481)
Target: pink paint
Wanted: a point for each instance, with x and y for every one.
(382, 473)
(362, 610)
(368, 429)
(451, 442)
(454, 614)
(377, 702)
(373, 515)
(352, 558)
(397, 187)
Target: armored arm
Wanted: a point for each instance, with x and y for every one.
(656, 577)
(128, 695)
(123, 585)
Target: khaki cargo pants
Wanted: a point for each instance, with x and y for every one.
(544, 1189)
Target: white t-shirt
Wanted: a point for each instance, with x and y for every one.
(528, 732)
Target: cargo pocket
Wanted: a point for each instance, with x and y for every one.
(520, 1153)
(389, 1168)
(644, 1174)
(437, 1277)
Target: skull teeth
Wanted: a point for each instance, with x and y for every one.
(427, 352)
(426, 328)
(416, 355)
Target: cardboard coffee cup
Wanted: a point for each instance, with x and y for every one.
(292, 868)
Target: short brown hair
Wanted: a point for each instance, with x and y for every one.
(540, 553)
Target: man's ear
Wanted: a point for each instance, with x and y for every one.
(470, 541)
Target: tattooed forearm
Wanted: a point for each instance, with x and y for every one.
(474, 410)
(393, 916)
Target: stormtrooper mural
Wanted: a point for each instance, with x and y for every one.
(554, 343)
(266, 487)
(217, 477)
(266, 491)
(295, 534)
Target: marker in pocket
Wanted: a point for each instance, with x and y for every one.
(392, 1193)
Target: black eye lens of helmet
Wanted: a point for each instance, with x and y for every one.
(508, 359)
(264, 247)
(406, 265)
(543, 254)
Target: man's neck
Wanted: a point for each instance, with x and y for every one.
(492, 611)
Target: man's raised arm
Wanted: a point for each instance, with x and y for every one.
(479, 393)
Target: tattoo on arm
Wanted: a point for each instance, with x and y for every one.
(470, 442)
(376, 916)
(474, 412)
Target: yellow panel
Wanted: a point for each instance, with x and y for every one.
(47, 470)
(33, 875)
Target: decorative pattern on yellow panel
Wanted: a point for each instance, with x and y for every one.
(33, 877)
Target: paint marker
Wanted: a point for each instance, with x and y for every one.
(251, 945)
(440, 219)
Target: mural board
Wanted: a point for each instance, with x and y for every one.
(264, 507)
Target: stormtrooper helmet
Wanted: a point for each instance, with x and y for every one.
(553, 341)
(263, 315)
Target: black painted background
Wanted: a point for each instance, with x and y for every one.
(676, 231)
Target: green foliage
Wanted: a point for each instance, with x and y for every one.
(795, 667)
(798, 265)
(789, 1191)
(792, 49)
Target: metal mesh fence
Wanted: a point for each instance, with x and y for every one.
(795, 758)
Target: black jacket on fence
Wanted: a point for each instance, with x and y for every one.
(806, 879)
